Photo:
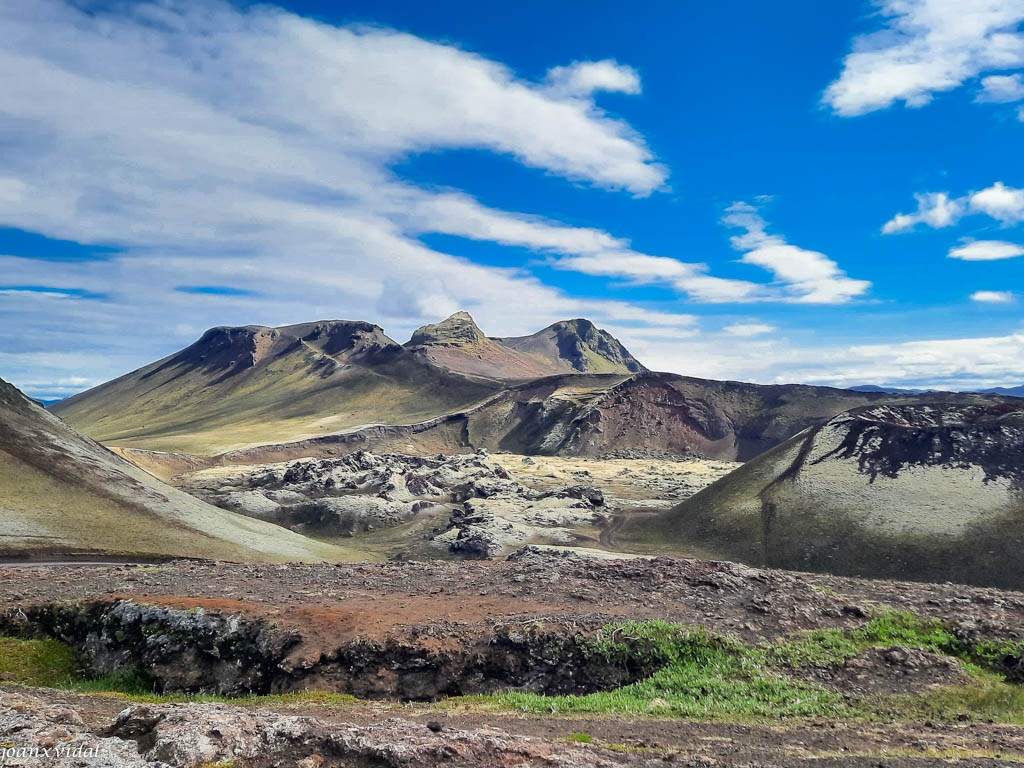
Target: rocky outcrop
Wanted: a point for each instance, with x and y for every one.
(198, 651)
(36, 732)
(490, 512)
(456, 331)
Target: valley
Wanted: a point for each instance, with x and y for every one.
(527, 551)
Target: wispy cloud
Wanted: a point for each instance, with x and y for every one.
(749, 329)
(805, 276)
(800, 276)
(926, 47)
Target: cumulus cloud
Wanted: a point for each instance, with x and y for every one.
(937, 209)
(583, 78)
(926, 47)
(993, 297)
(1003, 203)
(1001, 89)
(804, 276)
(986, 250)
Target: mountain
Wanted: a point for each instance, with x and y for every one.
(61, 494)
(1006, 391)
(576, 346)
(253, 385)
(319, 389)
(236, 387)
(571, 346)
(930, 490)
(890, 390)
(457, 344)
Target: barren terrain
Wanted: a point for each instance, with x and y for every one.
(397, 633)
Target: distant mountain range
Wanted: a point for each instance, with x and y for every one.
(1005, 391)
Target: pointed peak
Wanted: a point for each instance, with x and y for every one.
(457, 330)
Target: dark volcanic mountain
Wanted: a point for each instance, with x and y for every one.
(577, 345)
(931, 490)
(251, 385)
(571, 346)
(63, 494)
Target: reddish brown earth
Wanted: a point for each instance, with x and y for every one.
(462, 598)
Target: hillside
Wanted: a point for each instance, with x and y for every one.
(927, 490)
(586, 415)
(236, 387)
(63, 494)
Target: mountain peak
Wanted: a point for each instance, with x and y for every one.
(581, 345)
(456, 331)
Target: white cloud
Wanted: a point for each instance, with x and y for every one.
(749, 329)
(806, 277)
(1003, 203)
(935, 209)
(1001, 89)
(583, 78)
(801, 276)
(993, 297)
(986, 250)
(688, 278)
(927, 47)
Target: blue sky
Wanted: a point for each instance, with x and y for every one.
(799, 191)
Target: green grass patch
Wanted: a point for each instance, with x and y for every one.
(835, 646)
(46, 663)
(580, 738)
(695, 674)
(690, 672)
